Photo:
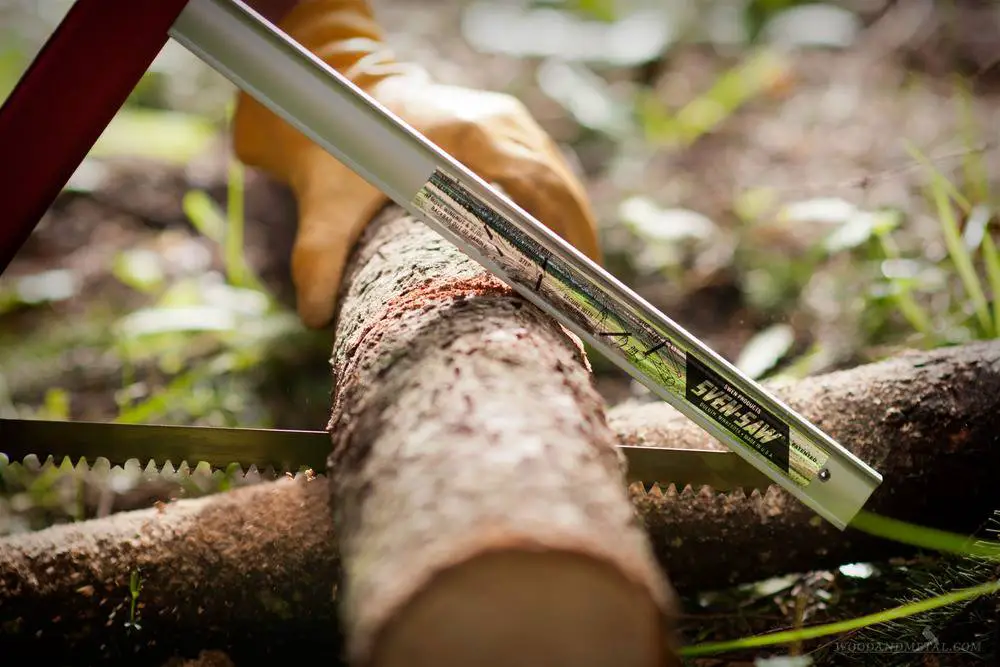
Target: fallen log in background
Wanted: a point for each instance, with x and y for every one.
(928, 421)
(479, 514)
(253, 569)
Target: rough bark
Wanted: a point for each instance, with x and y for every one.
(928, 421)
(466, 426)
(260, 562)
(215, 572)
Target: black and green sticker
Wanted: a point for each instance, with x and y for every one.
(738, 413)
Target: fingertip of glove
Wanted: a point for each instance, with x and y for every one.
(316, 273)
(315, 308)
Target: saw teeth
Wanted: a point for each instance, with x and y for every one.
(149, 469)
(674, 491)
(167, 471)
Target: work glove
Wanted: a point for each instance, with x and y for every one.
(492, 134)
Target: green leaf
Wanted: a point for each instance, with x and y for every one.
(163, 135)
(205, 215)
(900, 291)
(56, 405)
(960, 255)
(141, 270)
(813, 632)
(992, 262)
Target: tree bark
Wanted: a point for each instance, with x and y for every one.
(478, 512)
(254, 568)
(216, 572)
(929, 422)
(465, 425)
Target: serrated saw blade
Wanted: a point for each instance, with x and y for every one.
(293, 450)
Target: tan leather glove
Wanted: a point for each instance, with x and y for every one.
(492, 134)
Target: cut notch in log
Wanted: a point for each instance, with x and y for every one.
(479, 500)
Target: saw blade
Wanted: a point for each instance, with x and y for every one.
(292, 450)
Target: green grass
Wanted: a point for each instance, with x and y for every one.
(841, 627)
(134, 588)
(901, 290)
(751, 78)
(225, 228)
(966, 216)
(945, 197)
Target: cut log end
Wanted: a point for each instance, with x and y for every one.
(527, 608)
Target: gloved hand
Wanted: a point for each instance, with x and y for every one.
(492, 134)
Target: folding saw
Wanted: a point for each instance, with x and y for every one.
(767, 441)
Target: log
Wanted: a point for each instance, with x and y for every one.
(236, 571)
(465, 427)
(476, 513)
(251, 570)
(928, 421)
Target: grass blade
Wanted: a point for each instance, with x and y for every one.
(961, 257)
(204, 215)
(942, 192)
(813, 632)
(976, 174)
(923, 537)
(236, 269)
(992, 262)
(937, 176)
(908, 306)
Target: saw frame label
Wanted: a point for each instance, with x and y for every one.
(753, 424)
(739, 414)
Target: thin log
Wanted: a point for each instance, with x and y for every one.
(466, 428)
(928, 421)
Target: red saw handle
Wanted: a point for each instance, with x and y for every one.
(66, 99)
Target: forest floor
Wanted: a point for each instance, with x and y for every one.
(778, 201)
